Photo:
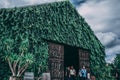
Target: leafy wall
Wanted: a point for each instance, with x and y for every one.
(58, 22)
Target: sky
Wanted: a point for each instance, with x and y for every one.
(103, 16)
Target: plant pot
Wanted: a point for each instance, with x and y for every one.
(12, 78)
(93, 78)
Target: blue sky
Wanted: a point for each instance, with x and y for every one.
(103, 16)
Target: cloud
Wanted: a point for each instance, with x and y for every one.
(110, 58)
(78, 2)
(4, 3)
(93, 13)
(104, 19)
(108, 39)
(18, 3)
(113, 50)
(111, 42)
(40, 1)
(111, 53)
(102, 16)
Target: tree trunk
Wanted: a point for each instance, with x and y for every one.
(12, 78)
(11, 68)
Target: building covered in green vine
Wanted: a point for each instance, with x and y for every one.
(56, 34)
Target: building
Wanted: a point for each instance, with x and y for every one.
(55, 30)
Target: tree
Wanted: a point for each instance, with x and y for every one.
(17, 56)
(117, 61)
(117, 66)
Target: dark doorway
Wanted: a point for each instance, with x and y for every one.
(71, 57)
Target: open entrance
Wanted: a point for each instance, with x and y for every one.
(71, 57)
(62, 56)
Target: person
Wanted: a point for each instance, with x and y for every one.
(88, 76)
(72, 73)
(83, 73)
(67, 73)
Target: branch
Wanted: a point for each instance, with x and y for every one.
(25, 67)
(14, 66)
(19, 64)
(22, 69)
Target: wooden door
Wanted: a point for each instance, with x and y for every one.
(84, 59)
(56, 61)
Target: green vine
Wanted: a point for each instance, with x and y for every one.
(58, 22)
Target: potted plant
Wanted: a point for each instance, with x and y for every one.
(18, 60)
(18, 64)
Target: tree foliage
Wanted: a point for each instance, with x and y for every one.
(117, 61)
(18, 60)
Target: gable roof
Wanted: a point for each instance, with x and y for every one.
(57, 21)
